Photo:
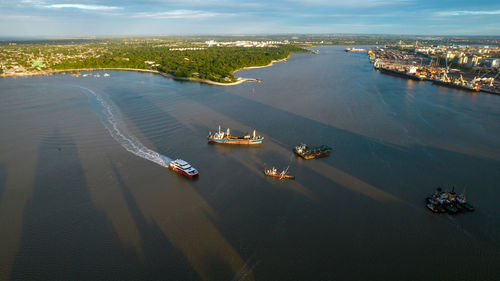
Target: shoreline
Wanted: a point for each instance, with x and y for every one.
(262, 66)
(239, 80)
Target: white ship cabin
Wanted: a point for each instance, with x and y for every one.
(184, 166)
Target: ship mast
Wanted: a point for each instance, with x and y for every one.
(491, 83)
(447, 67)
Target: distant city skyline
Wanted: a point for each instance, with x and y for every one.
(168, 17)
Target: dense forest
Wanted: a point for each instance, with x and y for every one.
(213, 63)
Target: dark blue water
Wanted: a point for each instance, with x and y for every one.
(78, 202)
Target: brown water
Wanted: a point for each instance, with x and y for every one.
(75, 204)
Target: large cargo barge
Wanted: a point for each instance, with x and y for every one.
(402, 73)
(456, 86)
(227, 138)
(491, 90)
(354, 50)
(457, 83)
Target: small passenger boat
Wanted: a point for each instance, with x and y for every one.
(182, 167)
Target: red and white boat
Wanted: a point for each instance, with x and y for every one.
(273, 172)
(182, 167)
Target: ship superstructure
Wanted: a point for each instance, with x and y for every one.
(182, 167)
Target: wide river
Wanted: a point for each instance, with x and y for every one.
(79, 199)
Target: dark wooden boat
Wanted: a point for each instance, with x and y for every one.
(307, 152)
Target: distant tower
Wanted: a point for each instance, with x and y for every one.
(416, 43)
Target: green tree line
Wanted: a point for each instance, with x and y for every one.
(214, 63)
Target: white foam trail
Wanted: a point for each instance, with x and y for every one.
(115, 126)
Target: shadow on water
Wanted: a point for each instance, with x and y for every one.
(372, 172)
(380, 160)
(379, 171)
(64, 236)
(161, 260)
(193, 231)
(274, 223)
(3, 179)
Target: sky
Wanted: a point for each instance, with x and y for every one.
(25, 18)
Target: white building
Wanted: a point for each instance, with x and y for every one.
(495, 63)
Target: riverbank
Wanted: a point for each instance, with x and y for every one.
(262, 66)
(239, 80)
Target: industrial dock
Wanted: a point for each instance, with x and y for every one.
(411, 64)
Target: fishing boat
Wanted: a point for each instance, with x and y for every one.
(273, 172)
(432, 207)
(307, 152)
(182, 167)
(227, 138)
(463, 203)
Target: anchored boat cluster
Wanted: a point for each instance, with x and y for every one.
(448, 202)
(302, 150)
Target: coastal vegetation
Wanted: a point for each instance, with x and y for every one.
(213, 63)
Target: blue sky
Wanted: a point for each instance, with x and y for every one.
(169, 17)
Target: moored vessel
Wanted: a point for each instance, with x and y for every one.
(457, 83)
(450, 202)
(411, 73)
(182, 167)
(227, 138)
(307, 152)
(354, 50)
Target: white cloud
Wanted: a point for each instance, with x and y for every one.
(468, 13)
(20, 17)
(83, 7)
(179, 14)
(353, 3)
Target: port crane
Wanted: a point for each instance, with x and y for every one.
(490, 79)
(493, 80)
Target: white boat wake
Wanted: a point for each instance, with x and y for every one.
(110, 117)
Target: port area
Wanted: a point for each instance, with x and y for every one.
(440, 70)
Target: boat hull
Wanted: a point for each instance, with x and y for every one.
(236, 141)
(281, 177)
(309, 156)
(490, 90)
(401, 74)
(455, 86)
